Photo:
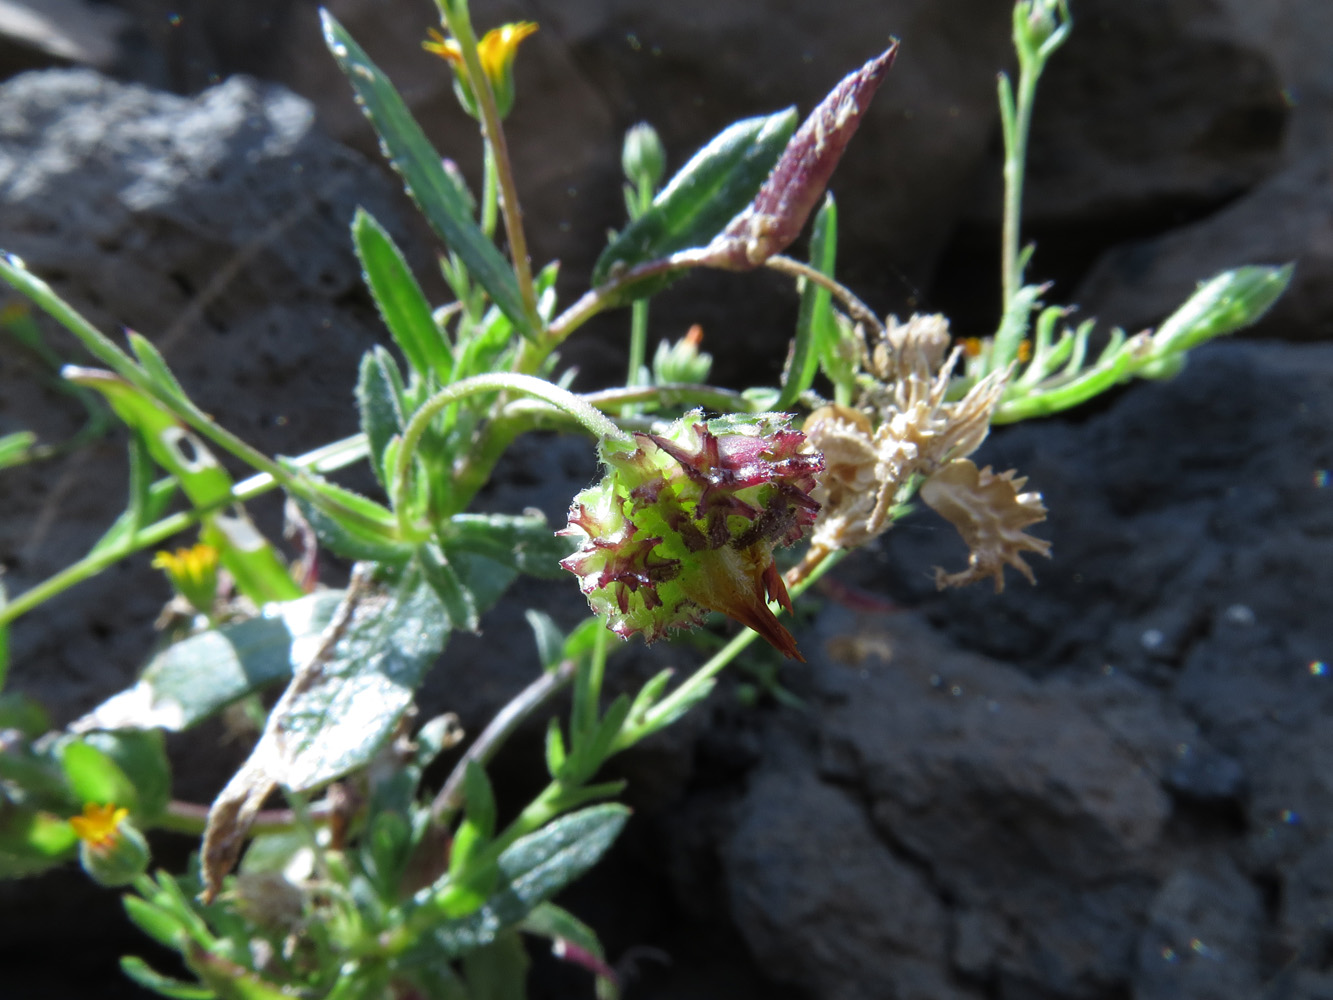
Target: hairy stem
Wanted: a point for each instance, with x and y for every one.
(496, 733)
(854, 306)
(458, 22)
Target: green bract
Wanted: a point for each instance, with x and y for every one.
(686, 522)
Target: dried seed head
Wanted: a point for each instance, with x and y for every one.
(990, 513)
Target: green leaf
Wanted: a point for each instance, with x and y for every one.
(401, 302)
(362, 529)
(524, 542)
(550, 643)
(532, 870)
(159, 924)
(139, 971)
(562, 928)
(155, 366)
(142, 757)
(380, 408)
(555, 749)
(459, 603)
(258, 571)
(230, 981)
(199, 676)
(94, 777)
(32, 841)
(1222, 305)
(340, 710)
(14, 448)
(437, 195)
(814, 322)
(479, 799)
(716, 184)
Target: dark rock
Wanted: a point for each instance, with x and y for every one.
(1203, 936)
(218, 227)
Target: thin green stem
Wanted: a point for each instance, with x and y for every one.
(191, 818)
(459, 23)
(1017, 128)
(596, 422)
(326, 459)
(490, 190)
(855, 307)
(496, 734)
(688, 690)
(638, 322)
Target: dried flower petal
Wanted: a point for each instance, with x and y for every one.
(990, 513)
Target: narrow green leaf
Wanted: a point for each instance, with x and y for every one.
(14, 448)
(142, 756)
(555, 749)
(155, 366)
(401, 302)
(159, 924)
(716, 184)
(533, 869)
(550, 643)
(4, 645)
(525, 542)
(437, 195)
(366, 530)
(139, 971)
(649, 695)
(563, 929)
(199, 676)
(380, 408)
(479, 800)
(94, 777)
(814, 322)
(459, 603)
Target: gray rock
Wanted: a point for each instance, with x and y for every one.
(218, 227)
(822, 901)
(1203, 936)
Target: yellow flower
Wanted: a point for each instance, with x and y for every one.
(193, 572)
(99, 826)
(496, 50)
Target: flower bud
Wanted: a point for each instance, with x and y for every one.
(642, 156)
(496, 51)
(682, 363)
(194, 574)
(686, 521)
(111, 850)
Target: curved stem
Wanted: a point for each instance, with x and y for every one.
(689, 688)
(493, 737)
(596, 422)
(858, 309)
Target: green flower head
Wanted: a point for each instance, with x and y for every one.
(685, 522)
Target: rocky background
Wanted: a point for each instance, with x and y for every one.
(1113, 784)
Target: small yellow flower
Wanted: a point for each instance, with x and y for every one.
(193, 572)
(496, 50)
(99, 826)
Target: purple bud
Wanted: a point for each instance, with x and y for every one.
(779, 211)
